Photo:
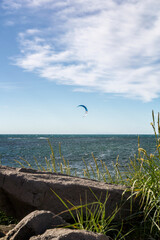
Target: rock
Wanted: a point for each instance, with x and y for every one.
(4, 229)
(69, 234)
(25, 190)
(34, 224)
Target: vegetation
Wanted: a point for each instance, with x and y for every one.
(6, 220)
(142, 179)
(92, 217)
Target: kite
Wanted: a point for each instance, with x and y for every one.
(86, 110)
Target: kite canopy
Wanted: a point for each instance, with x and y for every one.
(86, 110)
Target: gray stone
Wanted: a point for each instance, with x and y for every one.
(34, 224)
(25, 190)
(69, 234)
(4, 229)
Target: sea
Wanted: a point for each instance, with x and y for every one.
(74, 149)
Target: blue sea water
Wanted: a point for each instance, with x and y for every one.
(73, 148)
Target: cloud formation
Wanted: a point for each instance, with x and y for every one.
(95, 45)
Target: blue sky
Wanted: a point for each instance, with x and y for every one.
(57, 54)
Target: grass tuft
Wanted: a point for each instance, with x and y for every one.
(92, 217)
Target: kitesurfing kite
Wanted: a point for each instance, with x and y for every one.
(86, 110)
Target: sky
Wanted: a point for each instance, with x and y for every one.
(57, 54)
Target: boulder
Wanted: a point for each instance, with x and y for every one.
(24, 190)
(69, 234)
(34, 224)
(4, 229)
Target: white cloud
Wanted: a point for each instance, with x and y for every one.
(11, 4)
(98, 45)
(19, 4)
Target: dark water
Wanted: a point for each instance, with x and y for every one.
(74, 148)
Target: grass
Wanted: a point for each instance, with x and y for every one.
(141, 176)
(6, 220)
(92, 217)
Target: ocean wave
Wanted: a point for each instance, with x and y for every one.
(41, 138)
(15, 138)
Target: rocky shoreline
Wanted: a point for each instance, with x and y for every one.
(27, 195)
